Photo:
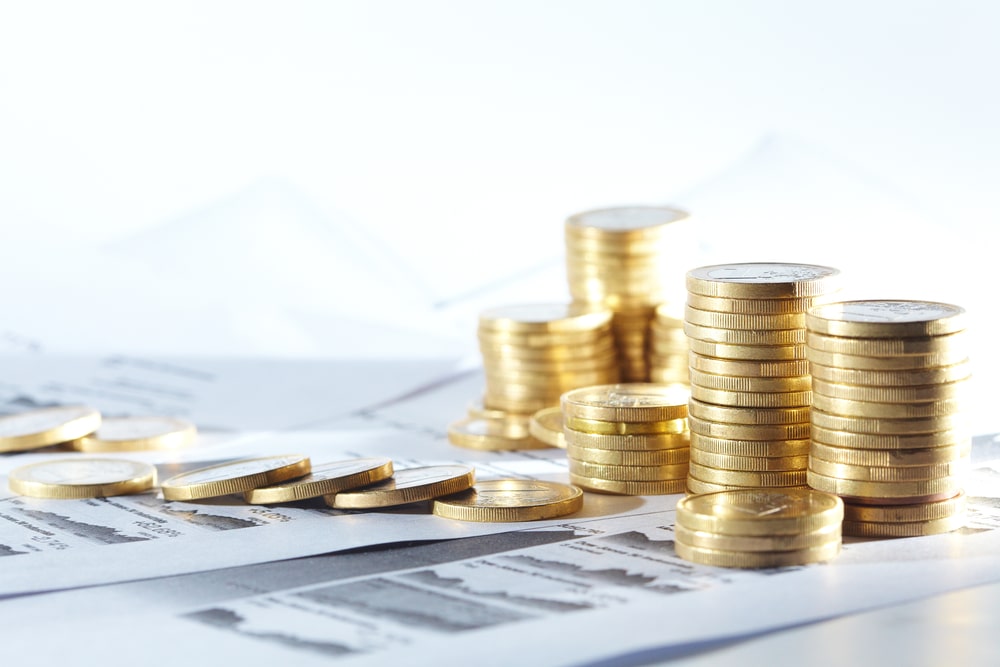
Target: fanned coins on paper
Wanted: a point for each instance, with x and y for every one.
(628, 259)
(409, 485)
(235, 477)
(627, 438)
(45, 427)
(759, 528)
(889, 429)
(511, 500)
(139, 433)
(324, 479)
(82, 478)
(751, 387)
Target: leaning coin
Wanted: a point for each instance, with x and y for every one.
(511, 500)
(46, 426)
(407, 486)
(493, 435)
(82, 478)
(235, 477)
(117, 434)
(324, 479)
(547, 425)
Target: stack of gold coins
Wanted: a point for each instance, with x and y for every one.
(750, 383)
(532, 354)
(627, 259)
(889, 434)
(757, 528)
(668, 347)
(629, 439)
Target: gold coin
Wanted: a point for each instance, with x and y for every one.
(516, 382)
(757, 559)
(622, 428)
(617, 457)
(892, 378)
(886, 347)
(522, 404)
(904, 529)
(759, 512)
(667, 375)
(324, 479)
(752, 399)
(756, 543)
(888, 441)
(546, 426)
(909, 362)
(627, 442)
(500, 353)
(748, 431)
(749, 384)
(742, 415)
(890, 457)
(850, 408)
(118, 434)
(747, 352)
(406, 486)
(748, 463)
(82, 478)
(742, 478)
(45, 427)
(749, 368)
(744, 321)
(625, 222)
(492, 435)
(493, 340)
(627, 402)
(477, 409)
(763, 280)
(697, 487)
(888, 425)
(753, 448)
(914, 394)
(543, 318)
(764, 337)
(886, 319)
(917, 473)
(629, 488)
(511, 500)
(628, 473)
(755, 306)
(865, 490)
(928, 511)
(235, 477)
(496, 366)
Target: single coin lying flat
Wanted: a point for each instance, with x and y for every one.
(82, 478)
(46, 427)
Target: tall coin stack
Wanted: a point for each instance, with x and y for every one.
(750, 383)
(888, 430)
(627, 259)
(532, 354)
(630, 439)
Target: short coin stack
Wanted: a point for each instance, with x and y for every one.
(757, 528)
(750, 383)
(668, 347)
(630, 439)
(889, 434)
(532, 354)
(627, 259)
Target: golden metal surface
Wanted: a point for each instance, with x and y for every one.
(45, 427)
(406, 486)
(117, 434)
(511, 500)
(82, 478)
(235, 477)
(886, 319)
(760, 512)
(763, 280)
(324, 479)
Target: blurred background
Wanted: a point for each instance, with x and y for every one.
(336, 179)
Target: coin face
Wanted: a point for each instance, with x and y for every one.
(532, 317)
(407, 486)
(887, 311)
(511, 500)
(138, 433)
(762, 272)
(235, 469)
(627, 402)
(626, 218)
(82, 478)
(235, 477)
(760, 511)
(46, 426)
(324, 479)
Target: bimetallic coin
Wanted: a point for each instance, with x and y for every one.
(908, 513)
(757, 543)
(45, 427)
(763, 280)
(493, 435)
(763, 337)
(752, 399)
(324, 479)
(625, 221)
(759, 512)
(757, 559)
(602, 427)
(629, 488)
(628, 402)
(746, 321)
(511, 500)
(886, 319)
(748, 463)
(890, 457)
(886, 347)
(235, 477)
(406, 486)
(118, 434)
(82, 478)
(904, 529)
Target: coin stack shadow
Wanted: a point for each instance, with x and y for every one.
(750, 383)
(889, 433)
(628, 259)
(629, 439)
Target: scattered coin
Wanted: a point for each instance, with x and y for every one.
(406, 486)
(82, 478)
(45, 427)
(324, 479)
(117, 434)
(511, 500)
(235, 477)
